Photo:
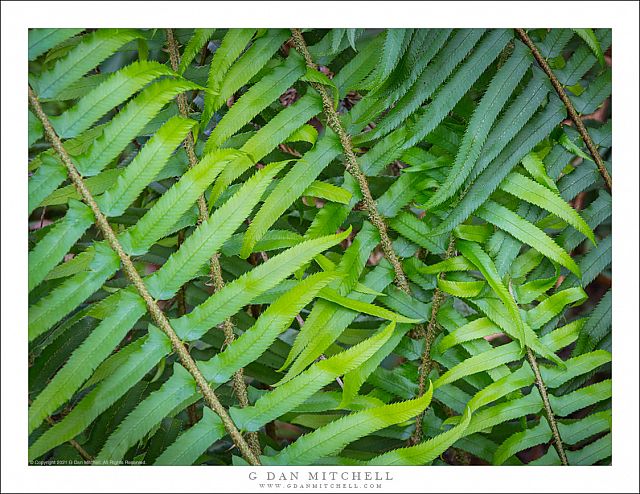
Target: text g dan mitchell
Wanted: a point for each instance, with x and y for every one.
(320, 476)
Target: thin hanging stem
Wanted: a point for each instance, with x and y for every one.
(215, 271)
(570, 108)
(127, 265)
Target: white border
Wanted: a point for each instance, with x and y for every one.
(18, 16)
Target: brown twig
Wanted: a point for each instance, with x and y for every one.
(570, 108)
(215, 272)
(129, 269)
(426, 364)
(557, 440)
(353, 167)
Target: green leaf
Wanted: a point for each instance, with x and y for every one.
(446, 98)
(144, 167)
(582, 59)
(313, 75)
(241, 352)
(474, 233)
(474, 253)
(291, 187)
(86, 358)
(323, 190)
(196, 42)
(596, 261)
(522, 440)
(36, 129)
(448, 58)
(536, 168)
(245, 288)
(139, 422)
(577, 366)
(364, 307)
(93, 49)
(416, 230)
(104, 395)
(479, 363)
(193, 442)
(495, 310)
(247, 66)
(527, 233)
(257, 339)
(590, 39)
(594, 96)
(109, 365)
(325, 324)
(425, 452)
(128, 124)
(96, 185)
(462, 289)
(42, 40)
(159, 219)
(530, 191)
(485, 114)
(354, 379)
(394, 44)
(572, 147)
(306, 133)
(49, 175)
(268, 137)
(296, 391)
(50, 309)
(424, 44)
(581, 398)
(233, 44)
(458, 263)
(491, 173)
(597, 326)
(333, 437)
(554, 305)
(51, 249)
(117, 88)
(478, 328)
(198, 248)
(592, 453)
(258, 97)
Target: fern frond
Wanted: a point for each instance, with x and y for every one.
(241, 291)
(105, 394)
(113, 91)
(42, 40)
(298, 389)
(210, 235)
(200, 37)
(193, 442)
(128, 123)
(332, 438)
(256, 99)
(86, 358)
(50, 250)
(271, 265)
(241, 72)
(92, 50)
(159, 219)
(501, 87)
(72, 292)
